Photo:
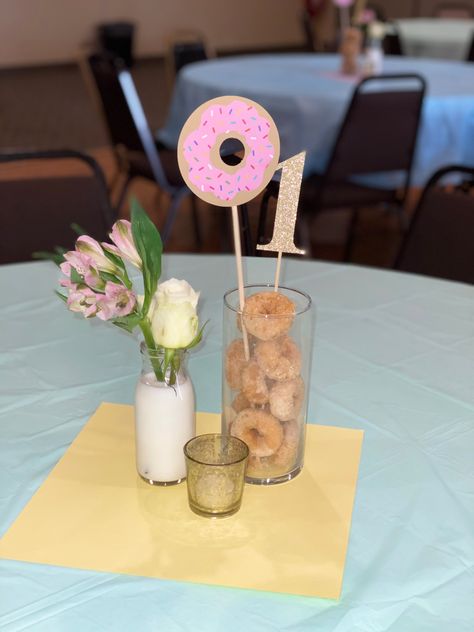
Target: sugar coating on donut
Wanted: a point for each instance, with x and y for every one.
(280, 359)
(234, 363)
(200, 141)
(268, 315)
(288, 451)
(260, 430)
(254, 385)
(286, 399)
(240, 402)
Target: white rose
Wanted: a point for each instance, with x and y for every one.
(174, 322)
(377, 30)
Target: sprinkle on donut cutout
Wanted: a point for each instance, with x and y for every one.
(200, 163)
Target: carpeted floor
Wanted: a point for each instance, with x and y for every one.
(46, 108)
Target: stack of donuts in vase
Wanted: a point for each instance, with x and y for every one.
(264, 392)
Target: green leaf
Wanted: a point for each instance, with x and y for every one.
(115, 259)
(197, 339)
(75, 276)
(44, 255)
(107, 276)
(61, 296)
(78, 229)
(149, 246)
(127, 322)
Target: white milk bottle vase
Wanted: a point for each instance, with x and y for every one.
(165, 417)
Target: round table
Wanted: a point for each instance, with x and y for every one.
(393, 354)
(308, 97)
(436, 37)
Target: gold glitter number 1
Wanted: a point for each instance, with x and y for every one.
(287, 206)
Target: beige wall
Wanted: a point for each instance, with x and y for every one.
(50, 31)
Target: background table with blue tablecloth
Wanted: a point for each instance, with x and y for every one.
(393, 354)
(308, 97)
(443, 38)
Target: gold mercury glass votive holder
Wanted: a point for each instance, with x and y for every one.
(215, 466)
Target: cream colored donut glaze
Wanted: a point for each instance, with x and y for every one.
(254, 385)
(280, 359)
(268, 315)
(286, 399)
(260, 430)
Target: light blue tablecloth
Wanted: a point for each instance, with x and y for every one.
(393, 354)
(308, 98)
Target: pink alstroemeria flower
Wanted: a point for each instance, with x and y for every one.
(77, 260)
(367, 16)
(84, 265)
(124, 247)
(117, 301)
(67, 283)
(83, 299)
(88, 246)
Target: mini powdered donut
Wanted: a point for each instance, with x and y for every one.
(268, 315)
(279, 359)
(254, 385)
(286, 399)
(234, 363)
(260, 430)
(240, 402)
(200, 163)
(288, 451)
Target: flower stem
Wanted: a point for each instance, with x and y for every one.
(150, 343)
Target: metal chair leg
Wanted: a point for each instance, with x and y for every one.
(350, 235)
(122, 194)
(196, 222)
(248, 249)
(175, 201)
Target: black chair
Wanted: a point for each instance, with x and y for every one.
(440, 239)
(460, 10)
(185, 53)
(136, 151)
(116, 39)
(377, 136)
(308, 31)
(391, 43)
(470, 52)
(42, 194)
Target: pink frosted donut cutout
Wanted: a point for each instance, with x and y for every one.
(199, 159)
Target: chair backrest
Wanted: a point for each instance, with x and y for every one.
(308, 31)
(470, 52)
(185, 53)
(440, 239)
(116, 38)
(123, 112)
(392, 44)
(379, 131)
(457, 10)
(42, 194)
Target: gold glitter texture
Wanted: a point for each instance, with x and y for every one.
(287, 207)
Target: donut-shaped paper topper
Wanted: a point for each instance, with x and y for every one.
(200, 141)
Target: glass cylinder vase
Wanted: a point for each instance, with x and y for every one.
(265, 382)
(165, 417)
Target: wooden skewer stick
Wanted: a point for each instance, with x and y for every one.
(277, 272)
(240, 274)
